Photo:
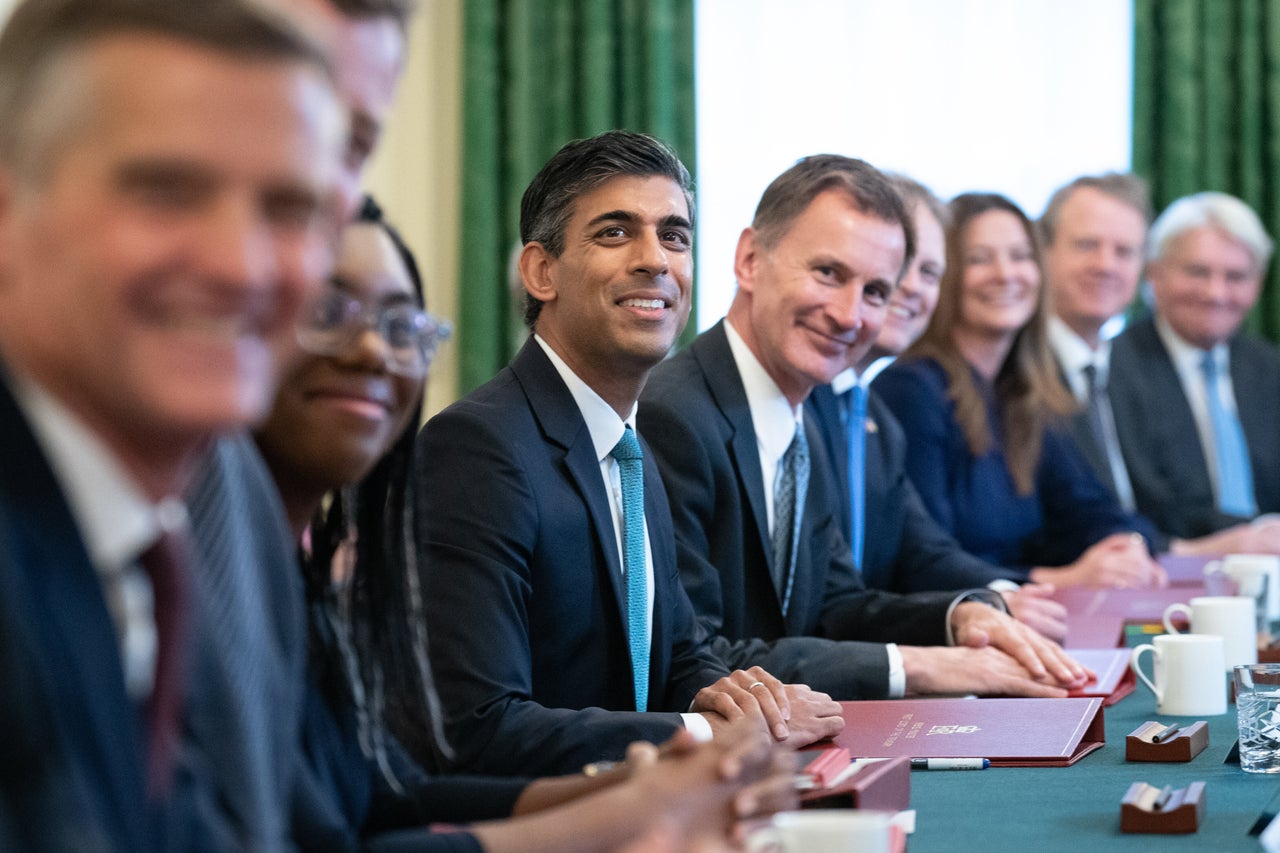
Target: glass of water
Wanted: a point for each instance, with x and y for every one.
(1258, 709)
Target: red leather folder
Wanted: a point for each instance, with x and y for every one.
(1114, 681)
(1184, 569)
(1010, 732)
(1099, 631)
(1131, 605)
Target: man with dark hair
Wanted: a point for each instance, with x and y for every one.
(159, 233)
(760, 547)
(557, 618)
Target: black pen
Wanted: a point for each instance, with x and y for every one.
(1163, 799)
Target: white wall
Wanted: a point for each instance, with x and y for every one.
(1016, 96)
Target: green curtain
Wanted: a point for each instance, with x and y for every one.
(1206, 110)
(536, 74)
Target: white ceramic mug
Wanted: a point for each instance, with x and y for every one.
(823, 831)
(1231, 617)
(1248, 570)
(1188, 674)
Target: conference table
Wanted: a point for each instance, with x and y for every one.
(1077, 808)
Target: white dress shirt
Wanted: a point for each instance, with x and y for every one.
(606, 428)
(116, 520)
(775, 421)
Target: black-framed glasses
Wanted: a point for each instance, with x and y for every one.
(337, 319)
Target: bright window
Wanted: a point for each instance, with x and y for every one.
(1016, 96)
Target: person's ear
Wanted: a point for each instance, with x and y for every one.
(537, 271)
(746, 258)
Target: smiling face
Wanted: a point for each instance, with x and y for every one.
(913, 302)
(1095, 260)
(1205, 284)
(1000, 280)
(811, 305)
(336, 416)
(618, 295)
(152, 276)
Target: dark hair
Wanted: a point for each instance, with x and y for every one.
(867, 187)
(378, 621)
(1122, 186)
(1027, 386)
(399, 11)
(41, 38)
(578, 168)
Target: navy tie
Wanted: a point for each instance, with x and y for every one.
(790, 485)
(627, 453)
(1235, 477)
(856, 429)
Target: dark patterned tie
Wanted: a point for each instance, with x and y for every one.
(631, 468)
(1103, 426)
(790, 485)
(165, 563)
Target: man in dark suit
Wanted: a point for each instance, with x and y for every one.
(1196, 401)
(909, 551)
(1095, 232)
(537, 579)
(158, 235)
(815, 271)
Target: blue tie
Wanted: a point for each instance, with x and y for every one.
(790, 485)
(856, 427)
(627, 452)
(1235, 477)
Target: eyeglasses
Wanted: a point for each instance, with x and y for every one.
(337, 320)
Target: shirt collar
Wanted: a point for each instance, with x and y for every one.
(1073, 353)
(1187, 357)
(774, 420)
(602, 421)
(115, 517)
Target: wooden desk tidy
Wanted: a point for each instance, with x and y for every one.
(1188, 742)
(1180, 813)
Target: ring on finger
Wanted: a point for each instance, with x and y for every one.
(753, 685)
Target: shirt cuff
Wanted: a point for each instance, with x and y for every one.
(1003, 585)
(698, 726)
(986, 596)
(897, 672)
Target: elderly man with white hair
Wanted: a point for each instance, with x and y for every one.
(1197, 402)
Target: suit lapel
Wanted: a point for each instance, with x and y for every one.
(716, 360)
(562, 425)
(70, 624)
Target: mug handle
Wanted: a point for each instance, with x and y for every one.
(1137, 670)
(1176, 607)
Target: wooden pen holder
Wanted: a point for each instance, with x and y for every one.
(1181, 814)
(1186, 744)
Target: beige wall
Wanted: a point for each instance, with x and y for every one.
(415, 173)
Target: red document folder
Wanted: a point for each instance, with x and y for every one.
(1131, 605)
(1114, 678)
(1099, 631)
(1010, 732)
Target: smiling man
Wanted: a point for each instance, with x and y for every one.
(559, 629)
(760, 542)
(1196, 400)
(158, 235)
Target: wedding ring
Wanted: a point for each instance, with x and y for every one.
(753, 685)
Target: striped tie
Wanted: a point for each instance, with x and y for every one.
(790, 485)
